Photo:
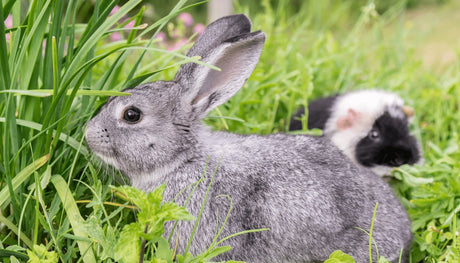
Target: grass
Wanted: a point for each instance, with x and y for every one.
(56, 72)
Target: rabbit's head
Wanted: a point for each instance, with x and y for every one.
(155, 129)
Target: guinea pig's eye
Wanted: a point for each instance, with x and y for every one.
(374, 135)
(132, 115)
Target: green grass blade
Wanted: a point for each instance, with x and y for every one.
(84, 69)
(33, 41)
(63, 137)
(50, 92)
(4, 66)
(16, 231)
(160, 24)
(73, 214)
(21, 177)
(5, 253)
(95, 36)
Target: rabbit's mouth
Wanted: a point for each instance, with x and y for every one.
(109, 160)
(105, 155)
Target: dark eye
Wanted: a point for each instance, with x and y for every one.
(132, 115)
(374, 135)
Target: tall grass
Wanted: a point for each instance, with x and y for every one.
(56, 72)
(50, 87)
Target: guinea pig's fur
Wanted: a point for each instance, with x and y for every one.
(370, 126)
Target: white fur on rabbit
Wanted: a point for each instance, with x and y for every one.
(302, 188)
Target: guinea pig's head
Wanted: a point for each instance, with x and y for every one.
(372, 128)
(388, 143)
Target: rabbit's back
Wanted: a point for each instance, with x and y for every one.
(301, 188)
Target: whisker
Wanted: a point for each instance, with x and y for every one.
(183, 127)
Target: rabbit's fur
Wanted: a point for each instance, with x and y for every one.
(370, 126)
(302, 188)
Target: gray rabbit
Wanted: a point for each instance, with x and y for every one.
(302, 188)
(370, 126)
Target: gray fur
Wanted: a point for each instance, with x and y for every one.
(301, 187)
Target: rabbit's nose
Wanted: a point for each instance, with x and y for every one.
(104, 135)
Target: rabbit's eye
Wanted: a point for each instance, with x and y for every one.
(374, 135)
(132, 115)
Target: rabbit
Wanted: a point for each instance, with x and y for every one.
(370, 126)
(312, 199)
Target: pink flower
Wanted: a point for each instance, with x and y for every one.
(8, 24)
(186, 18)
(116, 36)
(9, 21)
(161, 36)
(198, 28)
(115, 9)
(130, 24)
(44, 47)
(177, 45)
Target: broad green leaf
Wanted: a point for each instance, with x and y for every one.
(172, 211)
(163, 251)
(42, 255)
(132, 194)
(107, 239)
(129, 245)
(383, 260)
(154, 198)
(184, 259)
(153, 213)
(340, 257)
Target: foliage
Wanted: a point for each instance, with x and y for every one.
(42, 255)
(151, 218)
(54, 74)
(339, 257)
(57, 68)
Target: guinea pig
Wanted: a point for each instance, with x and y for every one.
(370, 126)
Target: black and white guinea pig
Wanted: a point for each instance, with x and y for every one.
(370, 126)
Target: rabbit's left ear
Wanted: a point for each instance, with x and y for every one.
(204, 89)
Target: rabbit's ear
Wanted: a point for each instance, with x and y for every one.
(213, 36)
(204, 88)
(218, 32)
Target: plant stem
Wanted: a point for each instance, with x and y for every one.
(141, 257)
